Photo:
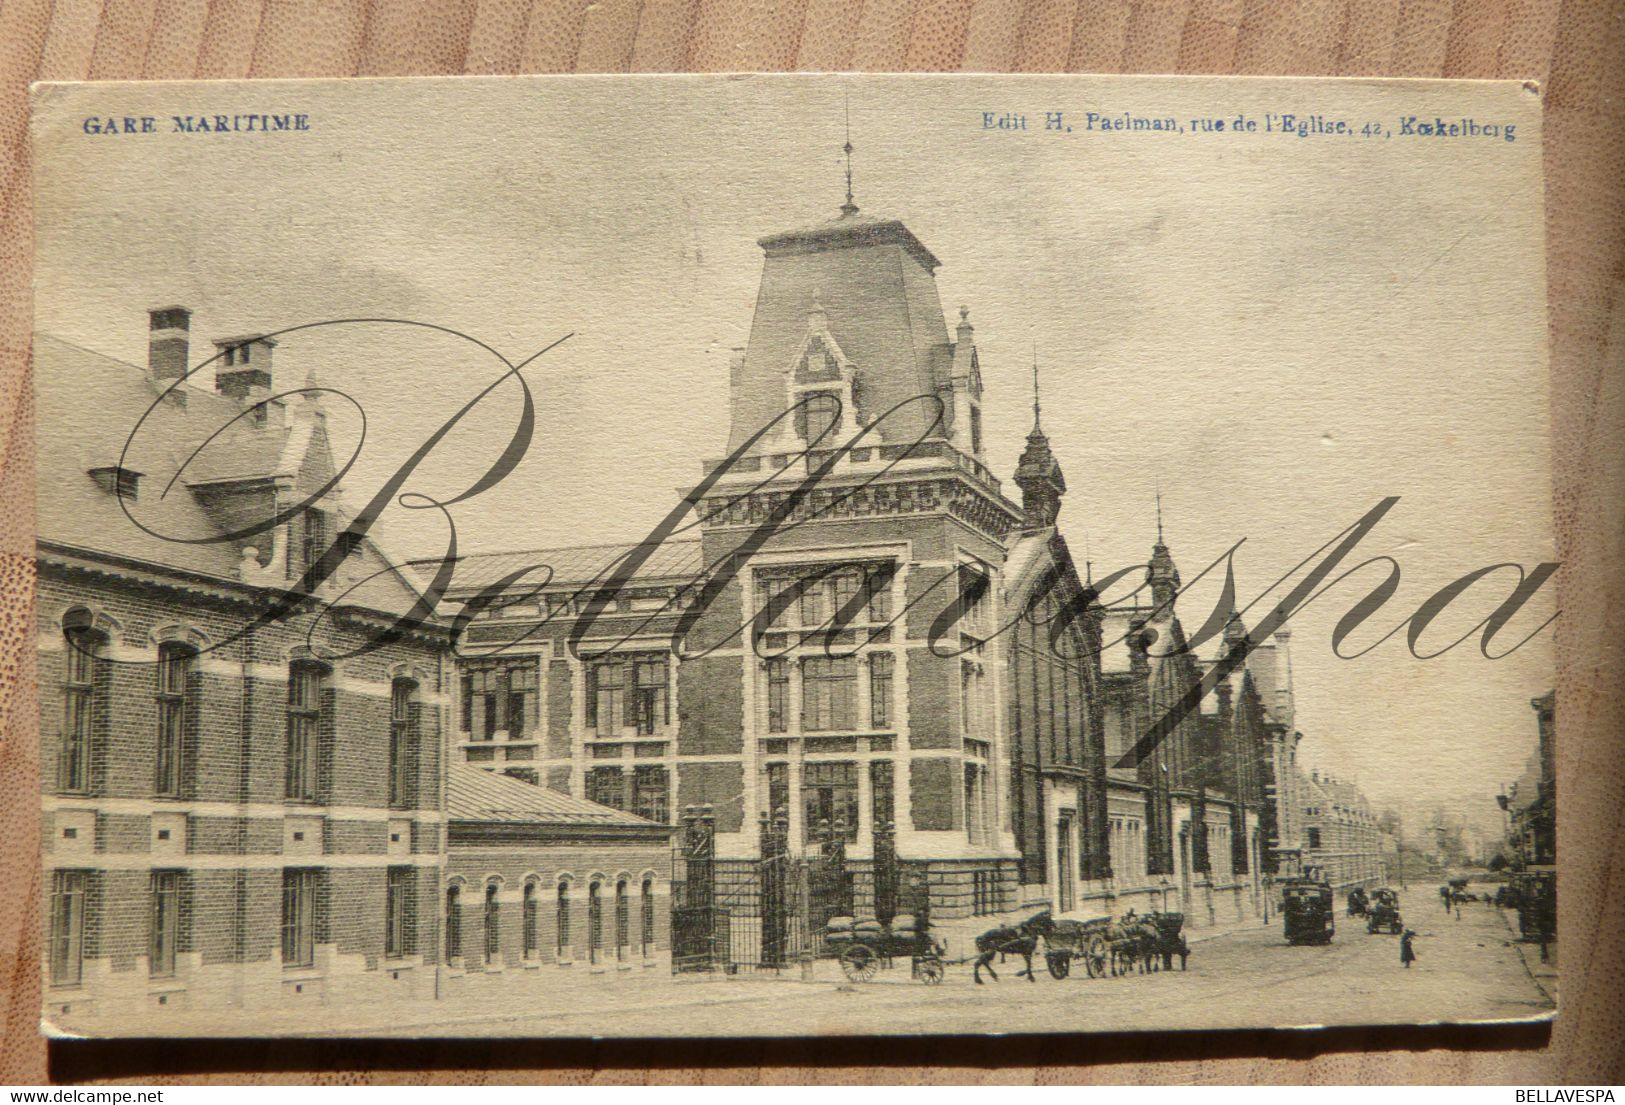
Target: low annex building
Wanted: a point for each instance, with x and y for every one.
(536, 878)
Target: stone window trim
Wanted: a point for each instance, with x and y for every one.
(808, 693)
(627, 693)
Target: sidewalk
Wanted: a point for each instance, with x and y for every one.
(1544, 973)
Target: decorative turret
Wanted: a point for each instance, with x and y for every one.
(1038, 474)
(1161, 573)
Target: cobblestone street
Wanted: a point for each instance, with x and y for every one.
(1467, 970)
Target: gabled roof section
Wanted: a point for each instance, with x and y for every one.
(474, 794)
(672, 560)
(87, 405)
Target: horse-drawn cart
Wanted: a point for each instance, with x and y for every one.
(1169, 940)
(1383, 915)
(865, 945)
(1066, 940)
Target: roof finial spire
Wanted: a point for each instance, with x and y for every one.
(1159, 512)
(1035, 384)
(848, 208)
(1088, 564)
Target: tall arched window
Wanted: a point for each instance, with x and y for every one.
(562, 921)
(84, 663)
(527, 921)
(454, 924)
(493, 921)
(647, 929)
(623, 920)
(595, 921)
(307, 716)
(403, 741)
(174, 678)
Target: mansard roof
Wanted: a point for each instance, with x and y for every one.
(846, 230)
(475, 794)
(873, 280)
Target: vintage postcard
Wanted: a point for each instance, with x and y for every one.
(792, 555)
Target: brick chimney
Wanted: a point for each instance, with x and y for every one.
(243, 370)
(168, 343)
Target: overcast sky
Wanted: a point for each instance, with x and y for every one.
(1277, 332)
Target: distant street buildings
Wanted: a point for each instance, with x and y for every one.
(1531, 848)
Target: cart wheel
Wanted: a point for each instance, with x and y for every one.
(1094, 957)
(1060, 964)
(929, 971)
(859, 963)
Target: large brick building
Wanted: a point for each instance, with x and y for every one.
(236, 813)
(1342, 836)
(871, 640)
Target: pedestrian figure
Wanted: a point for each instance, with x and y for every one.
(1407, 953)
(1444, 893)
(1458, 911)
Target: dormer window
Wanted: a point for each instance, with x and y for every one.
(242, 355)
(818, 421)
(123, 482)
(231, 356)
(315, 542)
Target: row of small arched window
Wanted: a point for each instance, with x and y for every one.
(530, 925)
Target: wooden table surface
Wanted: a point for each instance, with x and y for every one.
(1575, 50)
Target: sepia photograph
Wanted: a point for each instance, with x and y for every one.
(792, 556)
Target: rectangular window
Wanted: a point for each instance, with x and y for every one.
(967, 693)
(607, 787)
(812, 603)
(174, 671)
(844, 590)
(298, 917)
(164, 928)
(971, 600)
(778, 789)
(828, 693)
(605, 697)
(882, 797)
(68, 927)
(829, 796)
(880, 689)
(306, 693)
(771, 603)
(468, 703)
(522, 710)
(974, 822)
(651, 708)
(402, 741)
(778, 696)
(84, 660)
(878, 583)
(397, 902)
(650, 790)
